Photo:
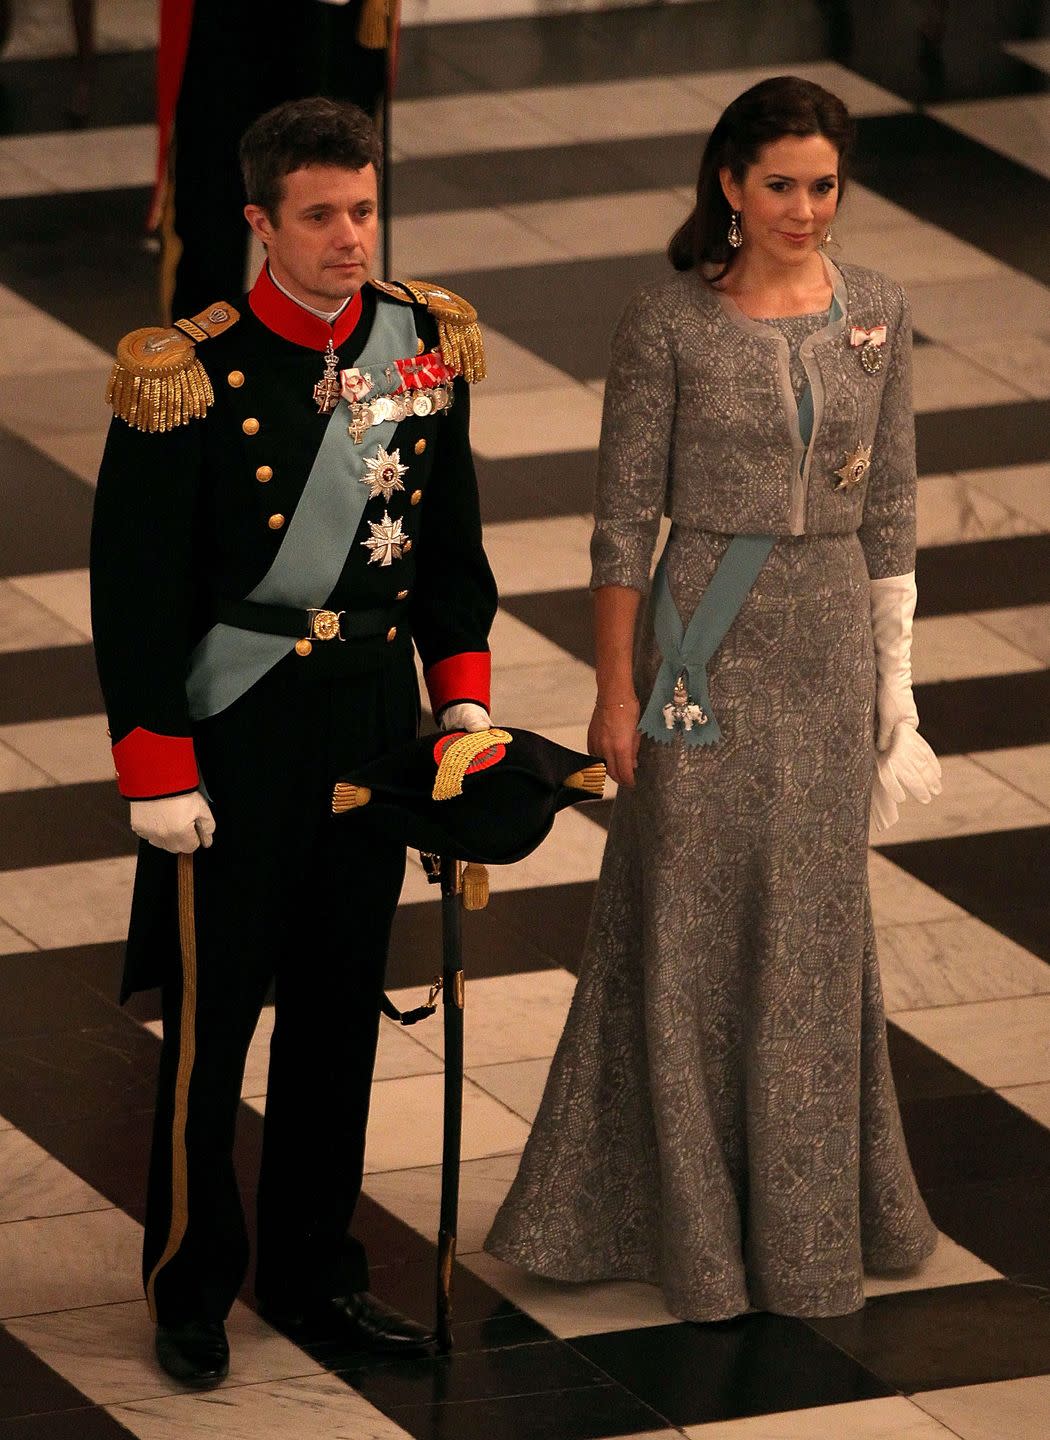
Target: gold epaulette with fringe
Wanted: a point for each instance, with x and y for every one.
(457, 322)
(157, 382)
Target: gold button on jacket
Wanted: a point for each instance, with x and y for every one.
(275, 522)
(263, 474)
(235, 378)
(250, 426)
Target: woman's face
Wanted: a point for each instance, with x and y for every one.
(788, 197)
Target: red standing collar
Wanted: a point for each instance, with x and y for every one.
(280, 313)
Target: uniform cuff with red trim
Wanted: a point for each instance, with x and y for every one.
(460, 677)
(149, 765)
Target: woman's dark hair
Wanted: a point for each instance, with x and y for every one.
(768, 111)
(314, 131)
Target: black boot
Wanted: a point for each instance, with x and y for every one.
(359, 1321)
(194, 1352)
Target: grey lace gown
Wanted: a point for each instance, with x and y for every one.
(720, 1117)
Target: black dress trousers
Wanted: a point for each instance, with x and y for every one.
(287, 893)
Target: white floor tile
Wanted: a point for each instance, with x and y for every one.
(918, 252)
(1020, 359)
(414, 1196)
(999, 1042)
(1026, 626)
(36, 1185)
(66, 1261)
(117, 157)
(12, 943)
(944, 380)
(450, 241)
(616, 109)
(79, 452)
(314, 1408)
(1032, 52)
(518, 1084)
(898, 898)
(864, 209)
(462, 124)
(38, 344)
(959, 647)
(538, 555)
(63, 593)
(507, 1017)
(514, 643)
(1024, 488)
(16, 773)
(534, 697)
(1015, 125)
(972, 802)
(27, 406)
(568, 1310)
(1026, 768)
(404, 1128)
(106, 1351)
(593, 227)
(1034, 1100)
(538, 422)
(25, 625)
(949, 1264)
(1005, 1410)
(18, 181)
(892, 1418)
(956, 310)
(951, 509)
(67, 752)
(40, 29)
(952, 962)
(509, 366)
(862, 97)
(77, 904)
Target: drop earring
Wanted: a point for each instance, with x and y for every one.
(735, 237)
(827, 236)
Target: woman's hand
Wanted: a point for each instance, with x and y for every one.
(613, 734)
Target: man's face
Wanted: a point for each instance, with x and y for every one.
(322, 239)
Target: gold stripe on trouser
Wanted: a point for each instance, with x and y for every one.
(180, 1202)
(170, 241)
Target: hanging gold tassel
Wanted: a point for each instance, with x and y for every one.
(373, 28)
(462, 347)
(475, 886)
(592, 779)
(157, 382)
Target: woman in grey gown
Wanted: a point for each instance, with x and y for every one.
(720, 1117)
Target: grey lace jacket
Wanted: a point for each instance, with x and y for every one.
(700, 423)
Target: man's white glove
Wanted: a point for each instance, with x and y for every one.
(905, 766)
(465, 716)
(178, 823)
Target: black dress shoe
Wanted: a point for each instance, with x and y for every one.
(194, 1352)
(360, 1321)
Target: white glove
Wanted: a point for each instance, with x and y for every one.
(905, 766)
(178, 823)
(465, 716)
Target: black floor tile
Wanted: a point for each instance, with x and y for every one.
(48, 684)
(492, 945)
(965, 1139)
(986, 713)
(1000, 877)
(983, 437)
(28, 1385)
(1002, 1221)
(593, 1413)
(755, 1365)
(40, 994)
(951, 1335)
(53, 509)
(34, 94)
(49, 827)
(93, 274)
(84, 1424)
(529, 485)
(71, 1075)
(983, 575)
(563, 616)
(919, 1073)
(918, 162)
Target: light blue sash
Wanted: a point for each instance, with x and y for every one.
(229, 661)
(687, 649)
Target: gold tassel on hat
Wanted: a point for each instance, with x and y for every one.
(458, 758)
(474, 884)
(462, 347)
(349, 797)
(592, 780)
(373, 28)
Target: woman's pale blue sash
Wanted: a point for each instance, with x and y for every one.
(228, 661)
(680, 700)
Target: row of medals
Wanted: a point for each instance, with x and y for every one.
(365, 414)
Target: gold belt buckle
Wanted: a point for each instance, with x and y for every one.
(324, 624)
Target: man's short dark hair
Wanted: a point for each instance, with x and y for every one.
(314, 131)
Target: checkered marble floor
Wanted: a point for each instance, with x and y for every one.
(541, 159)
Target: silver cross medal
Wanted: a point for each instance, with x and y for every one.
(327, 389)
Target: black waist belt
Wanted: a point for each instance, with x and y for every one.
(314, 624)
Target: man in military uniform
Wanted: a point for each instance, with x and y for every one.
(286, 503)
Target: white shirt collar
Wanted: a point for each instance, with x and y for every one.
(328, 316)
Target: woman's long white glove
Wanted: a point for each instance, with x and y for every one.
(465, 716)
(178, 823)
(906, 767)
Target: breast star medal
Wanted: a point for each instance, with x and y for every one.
(384, 474)
(329, 387)
(386, 541)
(856, 467)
